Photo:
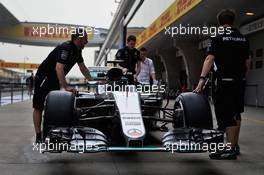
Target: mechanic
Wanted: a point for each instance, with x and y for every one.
(230, 53)
(52, 71)
(147, 70)
(131, 57)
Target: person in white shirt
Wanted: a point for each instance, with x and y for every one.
(147, 69)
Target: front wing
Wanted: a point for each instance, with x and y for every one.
(90, 140)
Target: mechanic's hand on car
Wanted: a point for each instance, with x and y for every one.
(125, 70)
(199, 87)
(135, 78)
(101, 82)
(155, 82)
(70, 89)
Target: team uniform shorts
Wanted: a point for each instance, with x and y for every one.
(42, 87)
(229, 102)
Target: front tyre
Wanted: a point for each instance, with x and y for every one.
(196, 111)
(58, 111)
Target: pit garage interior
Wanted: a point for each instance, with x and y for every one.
(178, 60)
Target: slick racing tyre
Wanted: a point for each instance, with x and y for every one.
(58, 111)
(196, 111)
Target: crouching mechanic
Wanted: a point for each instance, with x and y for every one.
(52, 71)
(230, 52)
(147, 70)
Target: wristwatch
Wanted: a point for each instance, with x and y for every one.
(202, 78)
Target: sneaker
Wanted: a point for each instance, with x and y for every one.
(237, 149)
(224, 155)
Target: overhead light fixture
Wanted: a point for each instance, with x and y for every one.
(250, 13)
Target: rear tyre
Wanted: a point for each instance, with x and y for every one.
(196, 111)
(59, 111)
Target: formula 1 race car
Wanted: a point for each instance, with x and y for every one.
(119, 117)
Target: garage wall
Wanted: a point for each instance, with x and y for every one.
(255, 79)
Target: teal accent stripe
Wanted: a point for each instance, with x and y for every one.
(136, 149)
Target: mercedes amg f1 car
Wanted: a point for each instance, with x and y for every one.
(126, 120)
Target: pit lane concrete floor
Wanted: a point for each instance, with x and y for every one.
(17, 157)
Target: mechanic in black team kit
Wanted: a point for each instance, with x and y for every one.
(131, 57)
(52, 71)
(230, 52)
